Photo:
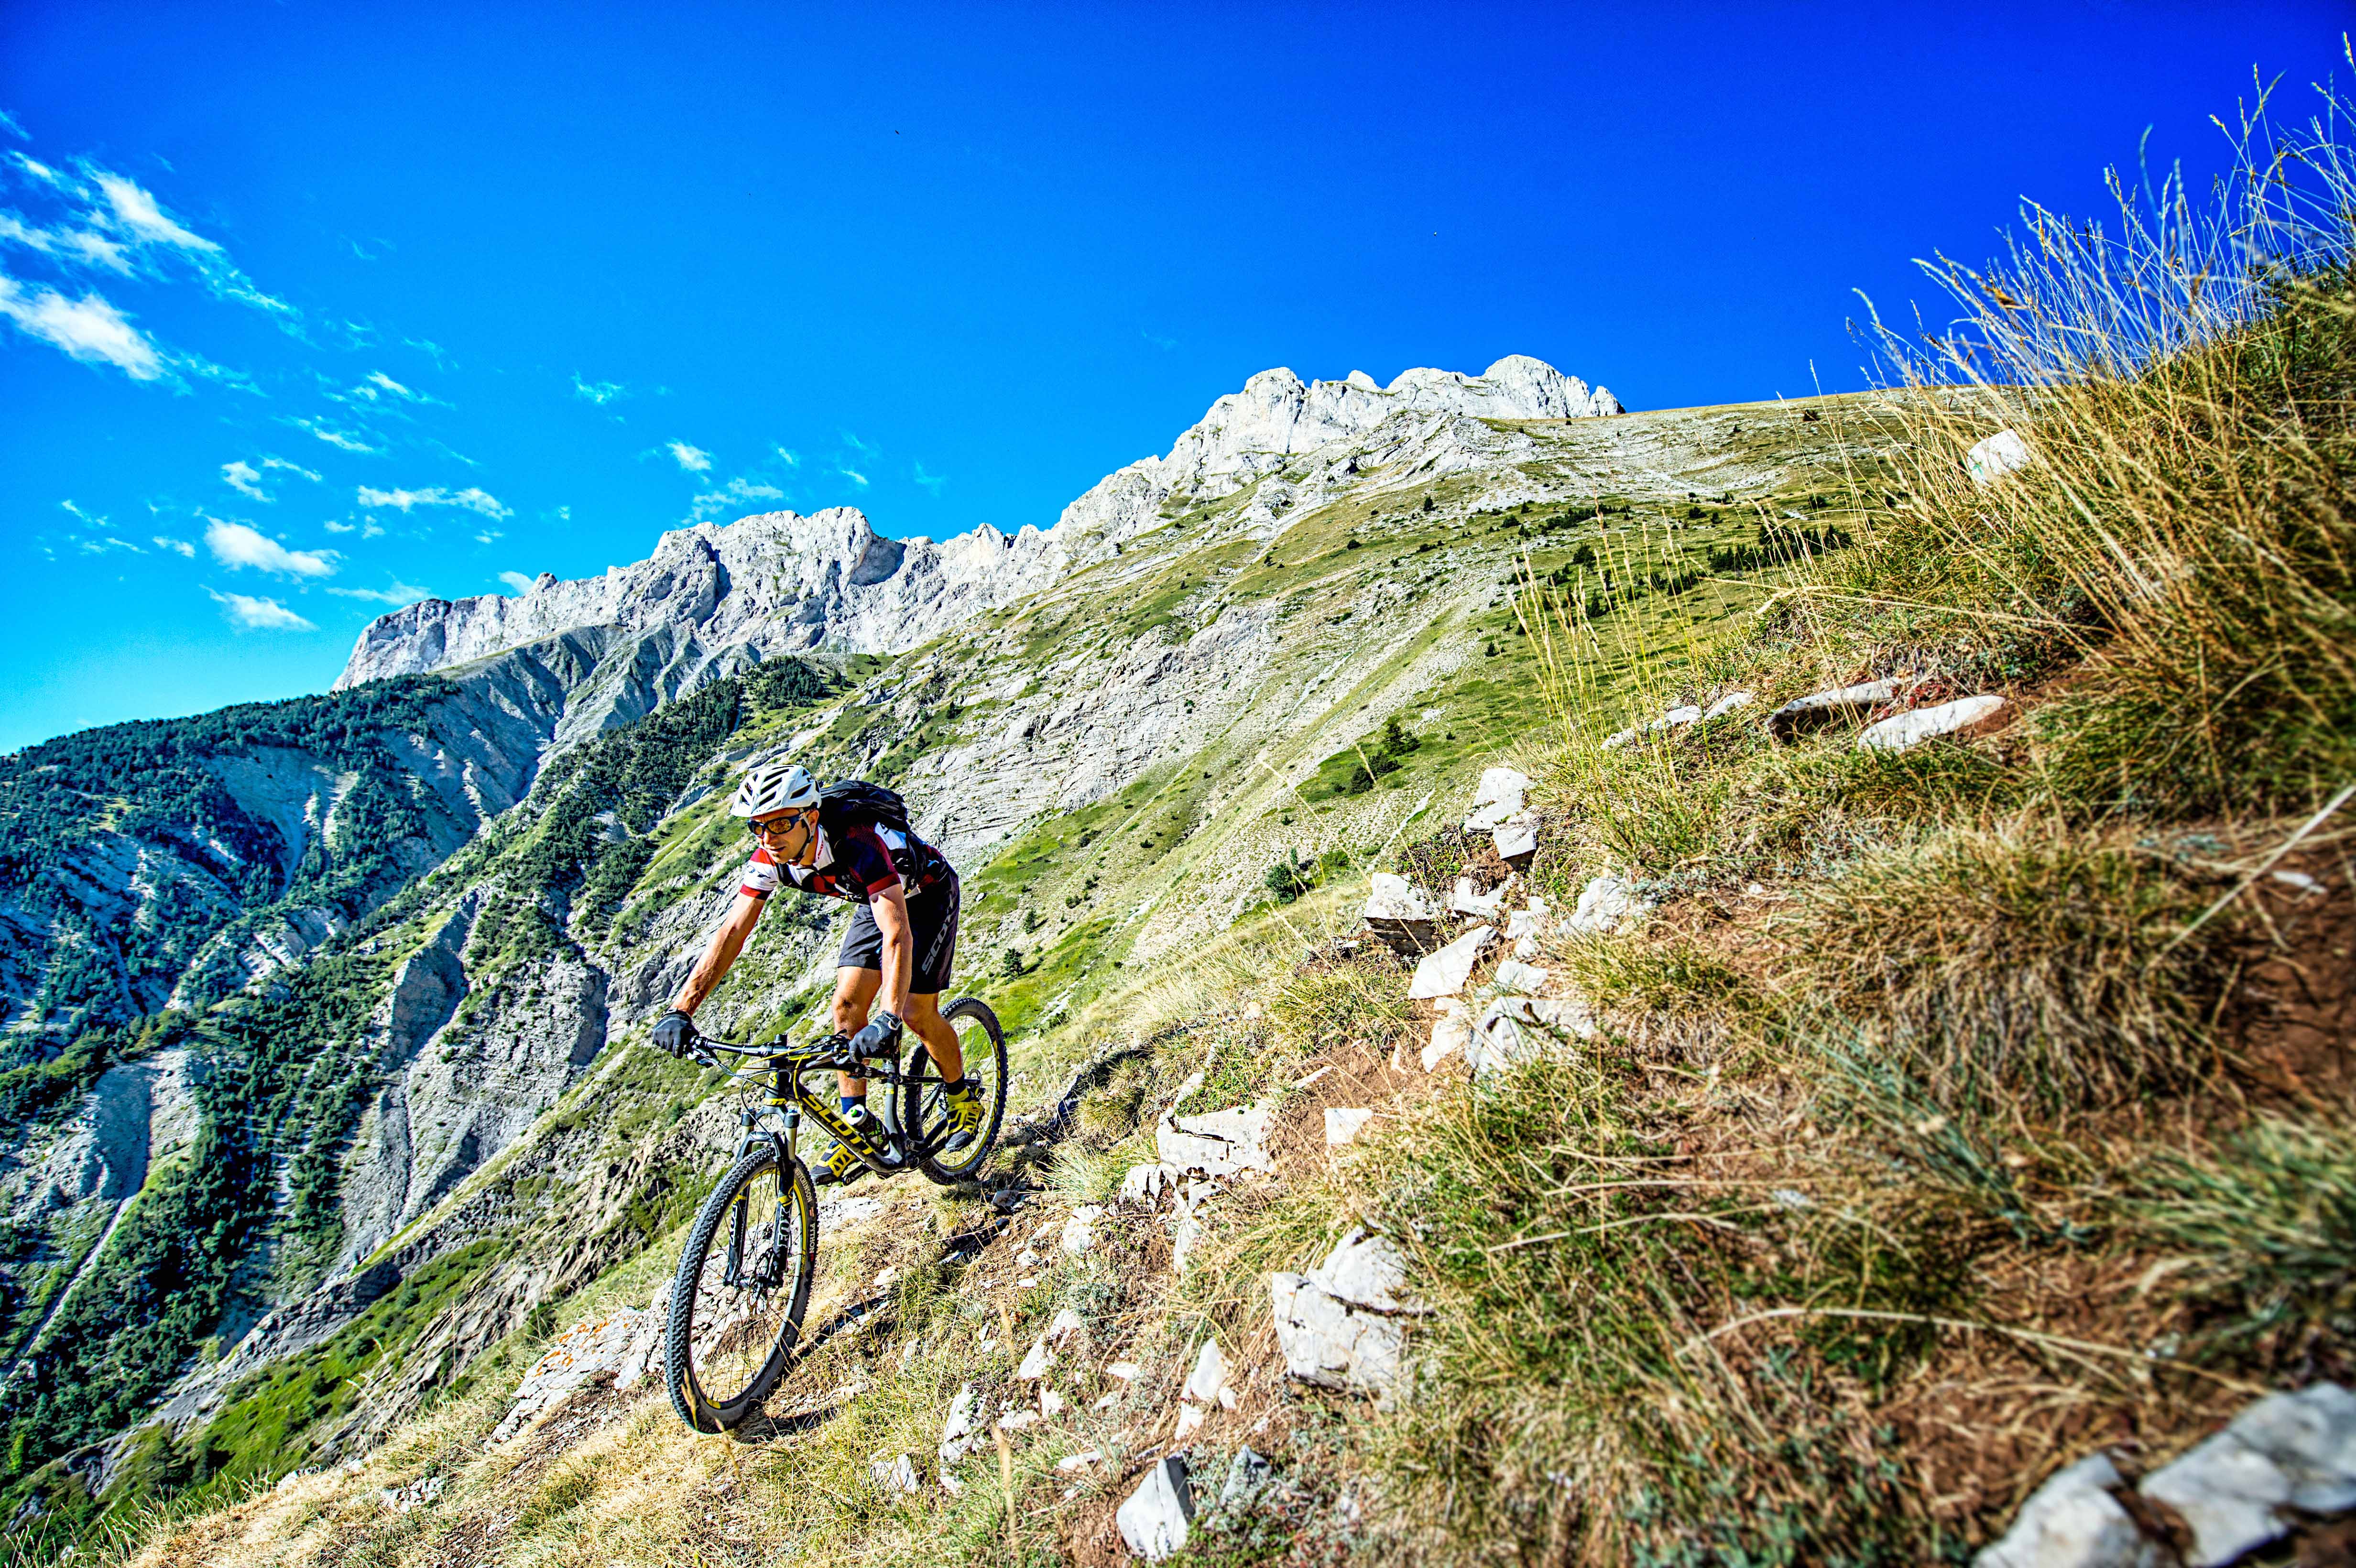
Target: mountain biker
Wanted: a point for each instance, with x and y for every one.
(901, 945)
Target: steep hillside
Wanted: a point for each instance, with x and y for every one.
(1325, 557)
(1868, 1027)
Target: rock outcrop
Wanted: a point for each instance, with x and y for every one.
(712, 598)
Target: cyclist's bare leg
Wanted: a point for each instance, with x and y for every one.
(924, 1017)
(854, 993)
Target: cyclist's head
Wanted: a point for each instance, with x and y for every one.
(781, 803)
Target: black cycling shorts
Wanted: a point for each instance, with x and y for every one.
(932, 921)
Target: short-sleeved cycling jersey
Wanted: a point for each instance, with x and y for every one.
(869, 859)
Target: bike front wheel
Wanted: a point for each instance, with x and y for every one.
(743, 1285)
(923, 1105)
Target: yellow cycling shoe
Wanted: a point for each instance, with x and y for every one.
(966, 1111)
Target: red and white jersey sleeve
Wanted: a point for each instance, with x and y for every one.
(760, 875)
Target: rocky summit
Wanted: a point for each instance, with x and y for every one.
(710, 599)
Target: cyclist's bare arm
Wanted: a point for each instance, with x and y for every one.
(891, 910)
(720, 952)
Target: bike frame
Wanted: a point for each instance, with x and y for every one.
(788, 1098)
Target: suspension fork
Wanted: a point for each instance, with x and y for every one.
(781, 1146)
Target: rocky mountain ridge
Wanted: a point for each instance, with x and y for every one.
(712, 598)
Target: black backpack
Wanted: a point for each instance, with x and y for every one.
(853, 801)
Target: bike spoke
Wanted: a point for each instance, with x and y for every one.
(742, 1310)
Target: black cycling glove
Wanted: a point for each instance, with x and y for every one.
(675, 1032)
(880, 1037)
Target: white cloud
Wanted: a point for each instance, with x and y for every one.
(853, 475)
(336, 526)
(790, 459)
(66, 242)
(260, 615)
(932, 481)
(370, 529)
(54, 178)
(376, 386)
(694, 459)
(95, 522)
(734, 495)
(88, 329)
(133, 211)
(14, 126)
(470, 498)
(343, 441)
(598, 392)
(181, 546)
(489, 536)
(856, 445)
(236, 545)
(138, 213)
(101, 546)
(397, 595)
(244, 478)
(517, 581)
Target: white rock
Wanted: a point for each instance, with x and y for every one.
(1344, 1124)
(1343, 1325)
(1219, 1143)
(1016, 1420)
(1446, 972)
(1124, 1370)
(1465, 900)
(2073, 1521)
(1153, 1521)
(1523, 980)
(1450, 1033)
(1901, 731)
(1501, 796)
(1515, 838)
(957, 1432)
(1080, 1461)
(1063, 1326)
(1209, 1376)
(1677, 717)
(896, 1475)
(1394, 898)
(1605, 904)
(1144, 1183)
(1051, 1403)
(2287, 1450)
(1619, 737)
(1728, 704)
(1530, 921)
(616, 1346)
(1823, 707)
(1037, 1361)
(1079, 1232)
(1997, 456)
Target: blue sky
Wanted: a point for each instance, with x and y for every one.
(309, 311)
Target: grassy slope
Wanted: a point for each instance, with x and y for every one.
(1935, 1135)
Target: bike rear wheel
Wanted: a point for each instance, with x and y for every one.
(923, 1106)
(743, 1285)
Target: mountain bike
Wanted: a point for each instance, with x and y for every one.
(744, 1280)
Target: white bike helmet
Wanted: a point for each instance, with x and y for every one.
(771, 787)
